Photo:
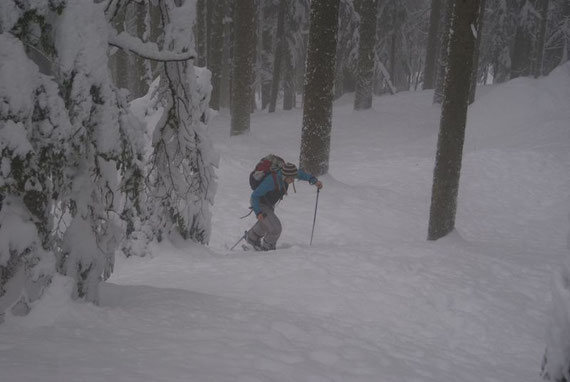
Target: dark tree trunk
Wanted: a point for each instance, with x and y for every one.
(201, 33)
(266, 56)
(217, 52)
(443, 52)
(541, 39)
(225, 86)
(289, 76)
(521, 58)
(431, 51)
(475, 71)
(453, 118)
(242, 79)
(365, 70)
(319, 82)
(278, 56)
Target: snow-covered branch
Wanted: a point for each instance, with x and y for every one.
(147, 50)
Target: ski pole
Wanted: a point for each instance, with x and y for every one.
(239, 241)
(315, 218)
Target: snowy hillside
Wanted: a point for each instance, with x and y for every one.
(371, 299)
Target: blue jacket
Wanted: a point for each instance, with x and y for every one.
(269, 193)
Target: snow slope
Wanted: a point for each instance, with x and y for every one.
(371, 299)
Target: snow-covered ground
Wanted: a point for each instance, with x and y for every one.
(371, 299)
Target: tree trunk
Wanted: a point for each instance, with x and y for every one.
(266, 53)
(217, 52)
(225, 88)
(541, 39)
(393, 58)
(200, 32)
(365, 71)
(475, 71)
(278, 56)
(521, 64)
(443, 52)
(431, 51)
(242, 89)
(319, 82)
(289, 75)
(453, 118)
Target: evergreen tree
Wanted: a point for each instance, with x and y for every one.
(182, 174)
(319, 81)
(453, 118)
(72, 153)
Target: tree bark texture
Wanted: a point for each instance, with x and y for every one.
(217, 52)
(541, 39)
(266, 53)
(475, 71)
(319, 82)
(201, 33)
(278, 56)
(431, 50)
(242, 79)
(453, 118)
(443, 52)
(365, 71)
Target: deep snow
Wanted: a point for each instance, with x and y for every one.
(371, 299)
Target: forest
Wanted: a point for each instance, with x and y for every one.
(120, 120)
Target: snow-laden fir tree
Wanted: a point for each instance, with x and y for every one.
(182, 179)
(73, 166)
(33, 128)
(76, 133)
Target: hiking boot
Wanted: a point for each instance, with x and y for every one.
(256, 244)
(267, 246)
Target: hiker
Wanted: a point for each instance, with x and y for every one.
(263, 199)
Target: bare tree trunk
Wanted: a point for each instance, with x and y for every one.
(319, 82)
(225, 86)
(475, 71)
(266, 54)
(278, 57)
(541, 39)
(453, 118)
(521, 63)
(242, 79)
(200, 31)
(443, 52)
(365, 71)
(431, 51)
(217, 52)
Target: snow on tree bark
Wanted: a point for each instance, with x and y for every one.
(453, 118)
(319, 81)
